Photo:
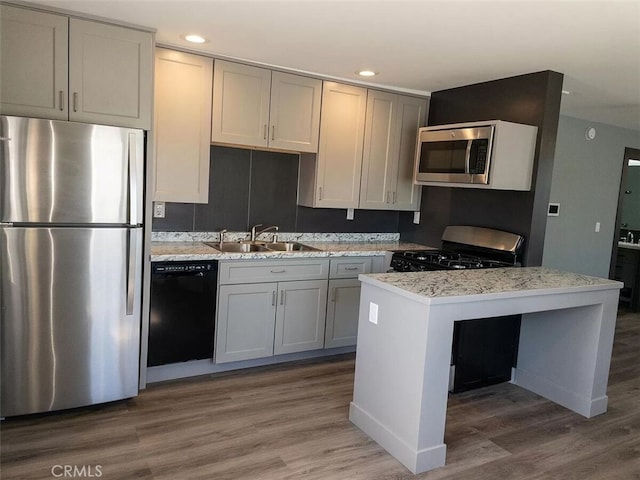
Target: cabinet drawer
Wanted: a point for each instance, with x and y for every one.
(349, 267)
(255, 271)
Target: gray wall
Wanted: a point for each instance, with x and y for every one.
(586, 183)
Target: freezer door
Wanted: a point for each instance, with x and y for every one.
(69, 173)
(70, 317)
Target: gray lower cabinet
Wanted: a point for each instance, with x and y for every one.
(300, 316)
(344, 298)
(265, 318)
(342, 313)
(246, 321)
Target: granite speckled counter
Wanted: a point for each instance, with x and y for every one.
(439, 286)
(183, 246)
(405, 332)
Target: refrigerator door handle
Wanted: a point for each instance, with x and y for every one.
(132, 248)
(133, 179)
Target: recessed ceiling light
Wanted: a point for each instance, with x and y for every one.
(366, 73)
(193, 38)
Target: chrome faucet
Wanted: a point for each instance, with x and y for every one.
(255, 233)
(222, 232)
(630, 237)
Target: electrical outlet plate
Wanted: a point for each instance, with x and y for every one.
(373, 313)
(350, 213)
(554, 210)
(416, 217)
(158, 209)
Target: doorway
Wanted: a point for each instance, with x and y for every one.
(625, 255)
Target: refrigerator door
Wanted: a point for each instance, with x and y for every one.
(70, 317)
(69, 173)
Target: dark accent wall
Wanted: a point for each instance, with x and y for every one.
(248, 187)
(532, 99)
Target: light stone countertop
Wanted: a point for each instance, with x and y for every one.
(184, 251)
(449, 286)
(630, 246)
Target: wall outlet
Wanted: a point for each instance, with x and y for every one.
(597, 227)
(416, 217)
(158, 209)
(373, 313)
(554, 210)
(350, 213)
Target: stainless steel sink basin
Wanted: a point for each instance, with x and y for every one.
(246, 247)
(289, 247)
(237, 247)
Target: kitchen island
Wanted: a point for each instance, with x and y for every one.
(405, 335)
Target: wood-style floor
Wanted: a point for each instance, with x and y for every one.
(290, 422)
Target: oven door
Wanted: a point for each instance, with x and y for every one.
(454, 155)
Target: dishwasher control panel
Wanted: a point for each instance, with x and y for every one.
(177, 267)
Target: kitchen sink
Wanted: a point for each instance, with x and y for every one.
(238, 247)
(289, 247)
(246, 247)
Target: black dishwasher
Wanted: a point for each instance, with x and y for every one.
(182, 312)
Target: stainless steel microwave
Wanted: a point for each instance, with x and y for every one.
(490, 154)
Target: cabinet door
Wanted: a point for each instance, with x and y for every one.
(240, 104)
(245, 321)
(182, 126)
(33, 63)
(300, 318)
(340, 148)
(410, 115)
(379, 158)
(110, 76)
(295, 112)
(342, 313)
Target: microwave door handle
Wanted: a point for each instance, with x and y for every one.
(467, 157)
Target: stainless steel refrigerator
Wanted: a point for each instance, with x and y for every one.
(70, 263)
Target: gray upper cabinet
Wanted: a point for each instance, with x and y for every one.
(182, 126)
(389, 148)
(256, 107)
(332, 180)
(34, 69)
(71, 69)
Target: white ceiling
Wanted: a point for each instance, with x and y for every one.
(421, 45)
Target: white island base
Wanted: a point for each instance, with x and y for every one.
(403, 360)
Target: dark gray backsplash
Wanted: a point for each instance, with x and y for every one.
(247, 187)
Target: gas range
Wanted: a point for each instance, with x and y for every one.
(426, 260)
(464, 247)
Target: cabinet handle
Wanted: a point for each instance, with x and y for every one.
(387, 201)
(320, 193)
(61, 100)
(265, 131)
(351, 268)
(278, 271)
(394, 197)
(332, 297)
(281, 297)
(273, 298)
(75, 101)
(273, 132)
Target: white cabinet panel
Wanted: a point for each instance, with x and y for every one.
(182, 126)
(33, 63)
